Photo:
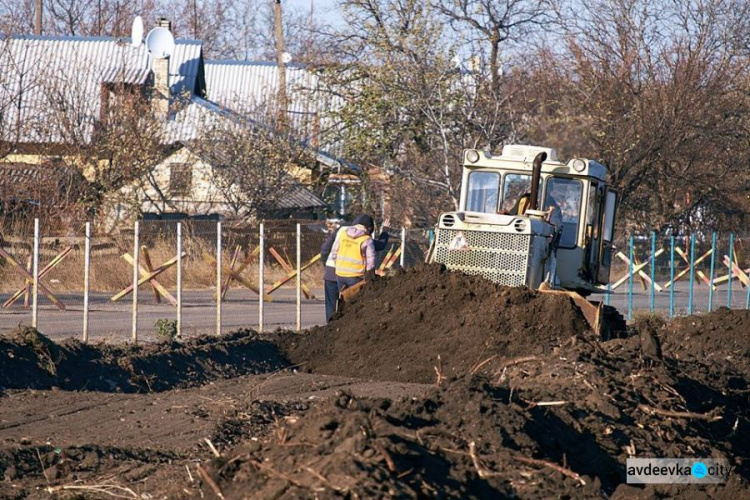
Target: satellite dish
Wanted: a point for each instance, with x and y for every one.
(136, 33)
(160, 43)
(286, 57)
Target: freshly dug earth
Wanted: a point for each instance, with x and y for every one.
(551, 425)
(87, 443)
(722, 335)
(523, 402)
(428, 320)
(29, 360)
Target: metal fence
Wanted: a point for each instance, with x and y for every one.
(680, 275)
(85, 280)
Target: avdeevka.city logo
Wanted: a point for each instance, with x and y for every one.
(699, 470)
(677, 470)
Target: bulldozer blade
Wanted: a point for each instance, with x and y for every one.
(592, 311)
(347, 294)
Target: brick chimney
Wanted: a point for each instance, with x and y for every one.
(160, 68)
(160, 98)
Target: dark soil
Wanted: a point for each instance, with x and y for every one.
(29, 360)
(148, 442)
(426, 319)
(515, 397)
(721, 335)
(584, 410)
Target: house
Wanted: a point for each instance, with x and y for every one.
(56, 93)
(193, 185)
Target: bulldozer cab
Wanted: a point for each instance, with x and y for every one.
(500, 233)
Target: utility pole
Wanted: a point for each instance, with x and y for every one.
(282, 66)
(195, 19)
(38, 23)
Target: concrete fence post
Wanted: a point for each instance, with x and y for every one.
(299, 277)
(652, 288)
(261, 279)
(403, 247)
(630, 279)
(86, 281)
(35, 271)
(179, 280)
(218, 278)
(136, 263)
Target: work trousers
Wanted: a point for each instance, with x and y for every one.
(332, 295)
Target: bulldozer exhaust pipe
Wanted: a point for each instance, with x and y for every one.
(535, 174)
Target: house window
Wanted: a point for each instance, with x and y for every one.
(180, 179)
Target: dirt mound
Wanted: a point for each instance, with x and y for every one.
(541, 408)
(406, 327)
(722, 334)
(523, 402)
(476, 437)
(29, 360)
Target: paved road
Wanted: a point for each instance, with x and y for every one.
(112, 321)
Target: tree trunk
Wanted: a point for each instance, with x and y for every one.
(494, 56)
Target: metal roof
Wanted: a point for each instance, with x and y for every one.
(133, 76)
(197, 115)
(39, 75)
(298, 196)
(251, 87)
(44, 78)
(26, 181)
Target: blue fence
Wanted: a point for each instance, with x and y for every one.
(680, 275)
(664, 274)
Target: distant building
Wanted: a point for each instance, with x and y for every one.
(55, 90)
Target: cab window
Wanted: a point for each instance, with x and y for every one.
(514, 185)
(482, 192)
(565, 195)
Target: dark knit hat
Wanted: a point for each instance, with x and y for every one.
(366, 221)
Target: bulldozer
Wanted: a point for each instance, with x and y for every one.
(526, 218)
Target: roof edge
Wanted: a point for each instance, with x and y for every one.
(78, 38)
(237, 62)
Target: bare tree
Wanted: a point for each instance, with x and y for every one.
(412, 103)
(494, 22)
(659, 92)
(251, 167)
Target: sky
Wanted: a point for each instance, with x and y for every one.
(324, 10)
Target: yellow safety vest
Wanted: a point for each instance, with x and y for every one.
(350, 263)
(523, 204)
(329, 261)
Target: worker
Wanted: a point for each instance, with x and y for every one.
(354, 253)
(331, 286)
(519, 207)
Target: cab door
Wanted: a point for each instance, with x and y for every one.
(607, 235)
(593, 229)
